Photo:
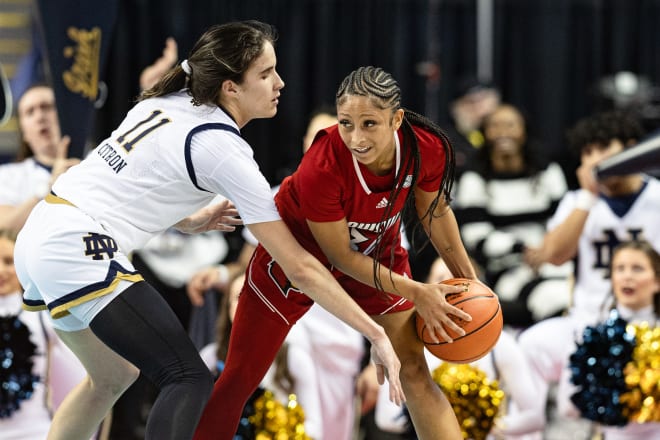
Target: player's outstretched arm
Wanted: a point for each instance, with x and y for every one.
(308, 274)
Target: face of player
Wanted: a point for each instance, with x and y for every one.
(633, 280)
(8, 281)
(40, 127)
(368, 132)
(258, 94)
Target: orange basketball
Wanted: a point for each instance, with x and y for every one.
(481, 333)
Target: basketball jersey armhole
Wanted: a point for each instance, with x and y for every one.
(187, 147)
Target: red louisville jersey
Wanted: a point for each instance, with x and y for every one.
(330, 184)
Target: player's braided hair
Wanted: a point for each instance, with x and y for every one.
(371, 82)
(223, 52)
(382, 88)
(415, 119)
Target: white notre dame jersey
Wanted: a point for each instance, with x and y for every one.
(166, 160)
(21, 180)
(603, 231)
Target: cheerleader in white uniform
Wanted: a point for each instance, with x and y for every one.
(37, 369)
(588, 224)
(636, 293)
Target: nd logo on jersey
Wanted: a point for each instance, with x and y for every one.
(97, 245)
(603, 249)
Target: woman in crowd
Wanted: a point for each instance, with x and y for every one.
(41, 158)
(503, 203)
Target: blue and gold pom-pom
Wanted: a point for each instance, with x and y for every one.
(475, 398)
(597, 368)
(642, 375)
(16, 352)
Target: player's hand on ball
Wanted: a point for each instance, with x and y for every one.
(433, 307)
(387, 365)
(479, 335)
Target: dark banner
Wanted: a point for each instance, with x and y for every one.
(75, 39)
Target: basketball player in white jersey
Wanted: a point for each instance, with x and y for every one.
(588, 224)
(174, 151)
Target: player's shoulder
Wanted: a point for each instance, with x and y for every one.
(428, 140)
(328, 137)
(328, 150)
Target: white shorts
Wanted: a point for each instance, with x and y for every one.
(68, 264)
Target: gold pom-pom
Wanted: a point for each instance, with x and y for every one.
(642, 374)
(274, 421)
(475, 398)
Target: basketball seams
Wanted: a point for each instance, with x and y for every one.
(497, 311)
(484, 329)
(489, 296)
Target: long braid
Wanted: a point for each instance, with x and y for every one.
(447, 177)
(450, 161)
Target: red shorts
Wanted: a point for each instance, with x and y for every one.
(266, 279)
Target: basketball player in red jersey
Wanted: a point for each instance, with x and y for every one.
(344, 204)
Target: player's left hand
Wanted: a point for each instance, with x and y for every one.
(219, 217)
(388, 366)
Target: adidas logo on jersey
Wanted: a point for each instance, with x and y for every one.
(383, 203)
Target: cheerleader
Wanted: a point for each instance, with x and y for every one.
(40, 369)
(588, 224)
(635, 280)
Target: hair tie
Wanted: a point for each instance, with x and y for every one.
(186, 67)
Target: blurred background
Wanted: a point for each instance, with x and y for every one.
(558, 60)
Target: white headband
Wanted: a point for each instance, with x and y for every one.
(186, 67)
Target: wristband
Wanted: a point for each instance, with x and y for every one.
(585, 200)
(223, 275)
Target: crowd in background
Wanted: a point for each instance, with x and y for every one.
(513, 205)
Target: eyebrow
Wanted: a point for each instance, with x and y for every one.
(267, 70)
